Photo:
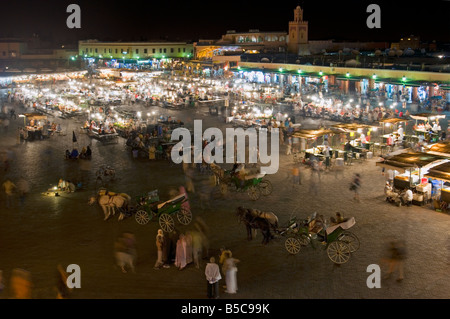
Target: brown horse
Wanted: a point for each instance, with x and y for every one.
(109, 202)
(252, 222)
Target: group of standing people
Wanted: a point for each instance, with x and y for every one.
(229, 270)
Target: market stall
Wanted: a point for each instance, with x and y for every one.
(440, 181)
(314, 150)
(359, 136)
(35, 127)
(427, 126)
(412, 167)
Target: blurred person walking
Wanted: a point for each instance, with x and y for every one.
(160, 245)
(20, 284)
(230, 268)
(9, 187)
(355, 186)
(62, 291)
(213, 276)
(124, 254)
(180, 255)
(23, 189)
(397, 256)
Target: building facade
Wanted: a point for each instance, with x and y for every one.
(135, 50)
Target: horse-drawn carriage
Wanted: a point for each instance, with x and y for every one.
(252, 183)
(336, 239)
(150, 207)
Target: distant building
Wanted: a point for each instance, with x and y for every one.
(135, 50)
(19, 55)
(411, 42)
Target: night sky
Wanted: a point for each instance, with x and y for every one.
(194, 20)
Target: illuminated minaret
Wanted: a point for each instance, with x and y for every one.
(298, 32)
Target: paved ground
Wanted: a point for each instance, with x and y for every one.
(48, 230)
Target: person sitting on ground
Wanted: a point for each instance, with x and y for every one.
(88, 152)
(74, 154)
(70, 187)
(62, 184)
(407, 197)
(83, 153)
(67, 154)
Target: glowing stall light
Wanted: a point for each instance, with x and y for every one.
(375, 129)
(374, 76)
(347, 74)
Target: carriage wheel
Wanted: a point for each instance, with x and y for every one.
(304, 240)
(339, 252)
(142, 217)
(184, 216)
(254, 193)
(292, 245)
(233, 187)
(166, 222)
(351, 240)
(266, 187)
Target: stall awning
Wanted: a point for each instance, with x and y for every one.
(393, 120)
(427, 116)
(35, 116)
(409, 160)
(350, 127)
(311, 133)
(442, 149)
(440, 172)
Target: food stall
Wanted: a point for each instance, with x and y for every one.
(34, 127)
(359, 136)
(423, 129)
(440, 180)
(313, 150)
(393, 137)
(413, 166)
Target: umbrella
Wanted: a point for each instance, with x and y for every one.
(74, 138)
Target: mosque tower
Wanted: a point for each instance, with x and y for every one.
(298, 33)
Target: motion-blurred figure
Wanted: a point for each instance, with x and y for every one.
(23, 189)
(62, 291)
(396, 258)
(20, 284)
(125, 252)
(9, 187)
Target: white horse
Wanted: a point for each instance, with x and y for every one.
(110, 201)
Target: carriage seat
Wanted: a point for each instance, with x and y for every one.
(344, 225)
(172, 201)
(247, 177)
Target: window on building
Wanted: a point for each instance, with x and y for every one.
(282, 38)
(165, 50)
(137, 51)
(160, 50)
(179, 50)
(109, 50)
(145, 51)
(4, 53)
(116, 50)
(121, 50)
(184, 50)
(96, 50)
(154, 50)
(171, 50)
